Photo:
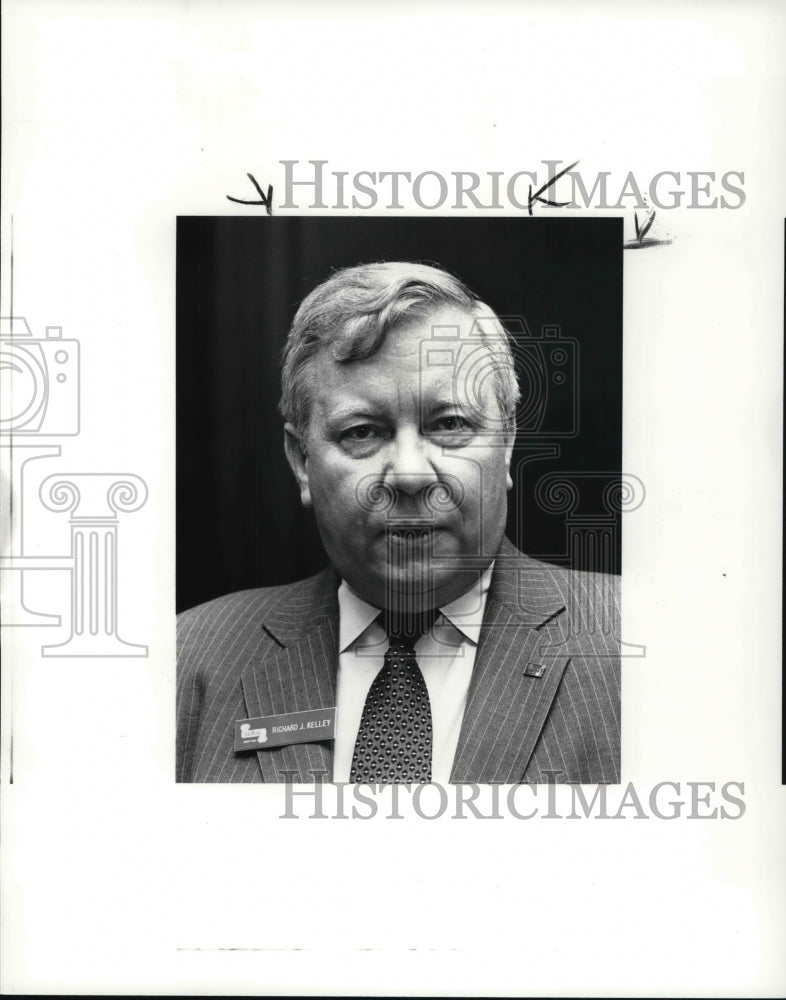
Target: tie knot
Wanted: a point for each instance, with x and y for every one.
(408, 628)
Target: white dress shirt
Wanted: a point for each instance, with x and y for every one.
(445, 655)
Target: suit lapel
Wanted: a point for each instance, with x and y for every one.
(518, 668)
(520, 660)
(300, 674)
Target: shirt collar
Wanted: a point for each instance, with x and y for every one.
(465, 613)
(354, 616)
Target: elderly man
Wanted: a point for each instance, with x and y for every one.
(430, 649)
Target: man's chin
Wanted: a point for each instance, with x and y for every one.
(414, 586)
(420, 574)
(420, 583)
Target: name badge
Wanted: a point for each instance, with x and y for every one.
(280, 730)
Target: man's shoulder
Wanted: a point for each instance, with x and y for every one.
(525, 584)
(288, 608)
(512, 564)
(570, 581)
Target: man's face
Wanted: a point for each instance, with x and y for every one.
(406, 464)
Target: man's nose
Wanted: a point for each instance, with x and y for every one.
(410, 469)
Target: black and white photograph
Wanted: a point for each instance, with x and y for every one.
(412, 476)
(391, 498)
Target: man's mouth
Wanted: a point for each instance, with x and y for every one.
(410, 535)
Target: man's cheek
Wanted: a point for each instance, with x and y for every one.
(340, 507)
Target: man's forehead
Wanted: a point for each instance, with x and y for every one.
(440, 357)
(444, 324)
(440, 340)
(361, 389)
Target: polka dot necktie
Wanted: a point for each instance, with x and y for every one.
(394, 740)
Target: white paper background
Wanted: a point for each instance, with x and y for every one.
(120, 116)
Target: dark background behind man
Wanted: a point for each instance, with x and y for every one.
(239, 282)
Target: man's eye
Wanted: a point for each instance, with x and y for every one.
(452, 431)
(362, 432)
(452, 423)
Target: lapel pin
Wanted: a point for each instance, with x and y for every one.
(534, 670)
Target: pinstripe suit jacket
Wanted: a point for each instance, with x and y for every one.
(543, 703)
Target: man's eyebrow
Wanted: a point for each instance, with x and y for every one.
(443, 401)
(353, 411)
(441, 404)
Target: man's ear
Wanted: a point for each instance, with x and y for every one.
(298, 462)
(510, 440)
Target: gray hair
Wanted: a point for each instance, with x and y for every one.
(352, 312)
